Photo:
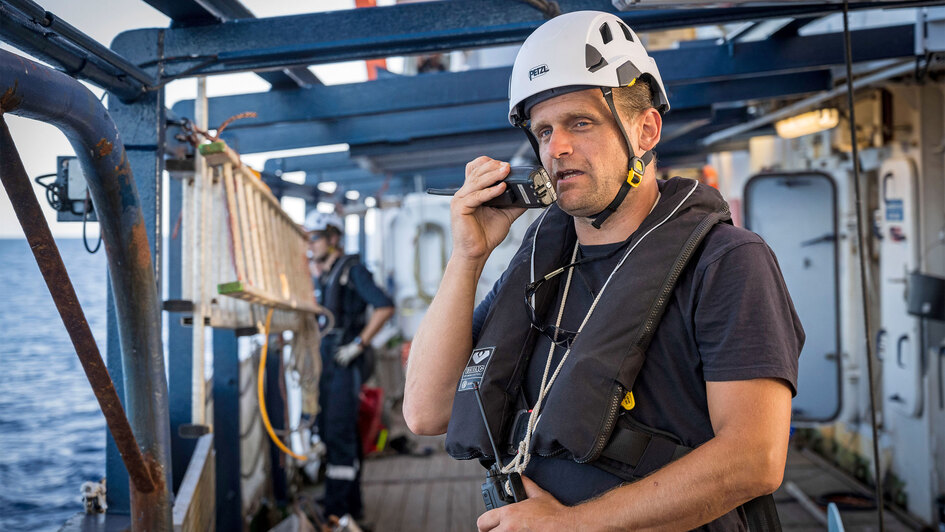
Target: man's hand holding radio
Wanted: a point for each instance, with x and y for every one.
(478, 229)
(541, 511)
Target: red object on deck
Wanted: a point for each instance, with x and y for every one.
(369, 417)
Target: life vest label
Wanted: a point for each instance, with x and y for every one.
(475, 368)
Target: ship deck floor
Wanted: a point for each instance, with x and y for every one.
(439, 494)
(435, 493)
(422, 493)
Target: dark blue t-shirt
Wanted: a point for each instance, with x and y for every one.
(730, 318)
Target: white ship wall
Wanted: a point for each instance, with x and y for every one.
(909, 388)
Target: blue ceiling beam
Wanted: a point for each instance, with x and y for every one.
(365, 182)
(434, 152)
(184, 13)
(205, 12)
(425, 155)
(389, 127)
(402, 93)
(420, 156)
(403, 126)
(697, 95)
(309, 163)
(743, 61)
(790, 54)
(792, 28)
(301, 40)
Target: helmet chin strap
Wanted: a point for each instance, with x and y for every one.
(636, 166)
(531, 139)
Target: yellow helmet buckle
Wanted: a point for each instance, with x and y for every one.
(635, 175)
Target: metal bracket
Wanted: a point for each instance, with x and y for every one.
(178, 305)
(191, 431)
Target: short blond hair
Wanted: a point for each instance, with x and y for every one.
(635, 99)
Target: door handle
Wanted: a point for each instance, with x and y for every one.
(902, 339)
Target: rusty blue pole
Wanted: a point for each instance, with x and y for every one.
(31, 90)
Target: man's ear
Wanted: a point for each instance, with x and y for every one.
(651, 127)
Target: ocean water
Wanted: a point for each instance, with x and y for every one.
(52, 434)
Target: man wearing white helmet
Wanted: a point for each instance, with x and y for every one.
(637, 359)
(346, 288)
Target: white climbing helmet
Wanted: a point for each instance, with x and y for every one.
(319, 221)
(576, 51)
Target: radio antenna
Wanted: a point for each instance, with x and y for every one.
(485, 422)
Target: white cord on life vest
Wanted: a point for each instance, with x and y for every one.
(522, 456)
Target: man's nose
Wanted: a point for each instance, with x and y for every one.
(560, 144)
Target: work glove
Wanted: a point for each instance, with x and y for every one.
(349, 352)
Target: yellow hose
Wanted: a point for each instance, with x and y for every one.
(262, 398)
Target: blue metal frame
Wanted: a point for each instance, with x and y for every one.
(276, 408)
(226, 430)
(365, 182)
(196, 13)
(706, 94)
(329, 37)
(789, 55)
(309, 163)
(179, 351)
(406, 109)
(142, 125)
(406, 93)
(395, 127)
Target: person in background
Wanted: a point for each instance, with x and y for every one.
(344, 286)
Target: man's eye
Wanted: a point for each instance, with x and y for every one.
(582, 123)
(543, 133)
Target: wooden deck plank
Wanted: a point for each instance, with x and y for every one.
(372, 494)
(391, 507)
(438, 506)
(415, 506)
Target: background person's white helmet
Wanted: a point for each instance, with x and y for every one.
(319, 221)
(576, 51)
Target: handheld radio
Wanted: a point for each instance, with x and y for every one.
(526, 186)
(493, 489)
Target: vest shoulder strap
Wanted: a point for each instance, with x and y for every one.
(762, 514)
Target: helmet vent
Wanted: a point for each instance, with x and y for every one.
(605, 33)
(593, 60)
(626, 32)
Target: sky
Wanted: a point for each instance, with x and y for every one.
(39, 144)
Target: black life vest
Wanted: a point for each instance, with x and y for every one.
(581, 408)
(331, 296)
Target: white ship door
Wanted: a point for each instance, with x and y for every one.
(796, 215)
(899, 345)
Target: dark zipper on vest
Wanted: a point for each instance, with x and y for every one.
(609, 423)
(682, 260)
(649, 326)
